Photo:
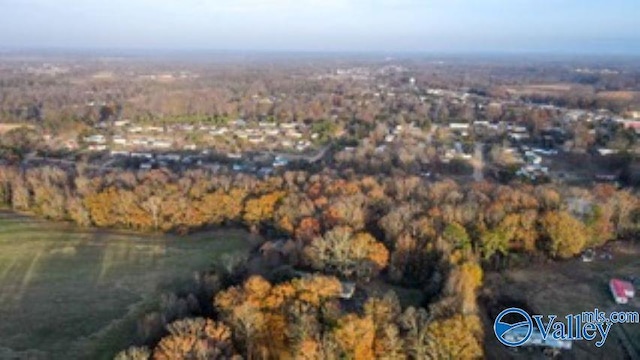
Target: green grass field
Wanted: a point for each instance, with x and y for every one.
(67, 293)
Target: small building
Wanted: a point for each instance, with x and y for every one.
(169, 157)
(147, 156)
(535, 339)
(266, 124)
(294, 134)
(239, 123)
(97, 147)
(119, 153)
(348, 289)
(459, 126)
(265, 171)
(607, 152)
(605, 177)
(160, 144)
(220, 131)
(146, 166)
(256, 139)
(119, 140)
(154, 129)
(95, 139)
(621, 290)
(380, 149)
(545, 151)
(280, 162)
(631, 124)
(518, 136)
(287, 125)
(588, 255)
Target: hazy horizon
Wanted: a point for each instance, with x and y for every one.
(378, 26)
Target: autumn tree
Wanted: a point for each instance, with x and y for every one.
(307, 230)
(388, 344)
(565, 235)
(462, 284)
(134, 353)
(274, 320)
(355, 336)
(196, 338)
(101, 207)
(454, 338)
(456, 235)
(20, 197)
(349, 254)
(262, 208)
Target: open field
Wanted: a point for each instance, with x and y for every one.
(6, 127)
(562, 288)
(619, 95)
(557, 89)
(68, 294)
(548, 87)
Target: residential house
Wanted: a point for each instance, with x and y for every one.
(119, 140)
(95, 139)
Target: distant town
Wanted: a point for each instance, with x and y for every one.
(520, 134)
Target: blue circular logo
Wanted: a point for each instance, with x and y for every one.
(513, 334)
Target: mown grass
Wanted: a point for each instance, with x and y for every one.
(67, 293)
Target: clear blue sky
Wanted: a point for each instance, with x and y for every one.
(325, 25)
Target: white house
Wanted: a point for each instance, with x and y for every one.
(119, 140)
(459, 126)
(95, 139)
(160, 144)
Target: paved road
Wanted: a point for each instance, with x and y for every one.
(308, 158)
(32, 157)
(478, 162)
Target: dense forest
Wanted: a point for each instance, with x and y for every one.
(432, 236)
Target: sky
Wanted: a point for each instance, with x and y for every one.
(563, 26)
